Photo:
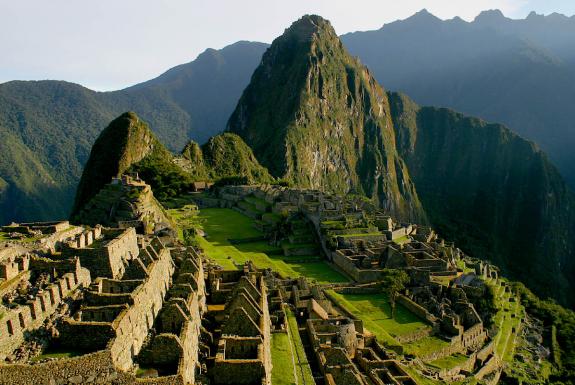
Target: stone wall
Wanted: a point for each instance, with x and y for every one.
(54, 241)
(124, 335)
(108, 257)
(93, 368)
(132, 325)
(417, 309)
(44, 227)
(189, 359)
(244, 351)
(492, 365)
(240, 361)
(414, 336)
(16, 322)
(79, 370)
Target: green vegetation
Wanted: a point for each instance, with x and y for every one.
(27, 188)
(221, 225)
(48, 127)
(166, 179)
(449, 362)
(128, 144)
(186, 219)
(226, 155)
(564, 322)
(402, 240)
(57, 353)
(508, 316)
(425, 346)
(303, 369)
(375, 311)
(226, 159)
(283, 371)
(358, 235)
(27, 239)
(394, 282)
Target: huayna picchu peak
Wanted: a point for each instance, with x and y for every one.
(332, 129)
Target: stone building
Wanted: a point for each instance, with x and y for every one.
(49, 283)
(243, 353)
(125, 202)
(105, 252)
(146, 310)
(345, 356)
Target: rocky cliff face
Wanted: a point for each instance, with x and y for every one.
(125, 142)
(492, 192)
(314, 115)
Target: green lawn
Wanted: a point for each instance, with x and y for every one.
(358, 235)
(180, 201)
(6, 237)
(425, 346)
(303, 369)
(223, 224)
(283, 372)
(402, 240)
(375, 312)
(220, 225)
(376, 309)
(449, 362)
(57, 353)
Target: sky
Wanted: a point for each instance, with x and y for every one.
(112, 44)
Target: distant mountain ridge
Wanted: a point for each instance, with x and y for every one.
(517, 72)
(50, 126)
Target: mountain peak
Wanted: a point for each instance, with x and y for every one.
(423, 16)
(312, 109)
(307, 26)
(424, 13)
(125, 141)
(490, 16)
(534, 15)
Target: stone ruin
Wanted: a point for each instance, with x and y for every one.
(363, 242)
(29, 302)
(342, 352)
(132, 300)
(125, 202)
(137, 308)
(242, 351)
